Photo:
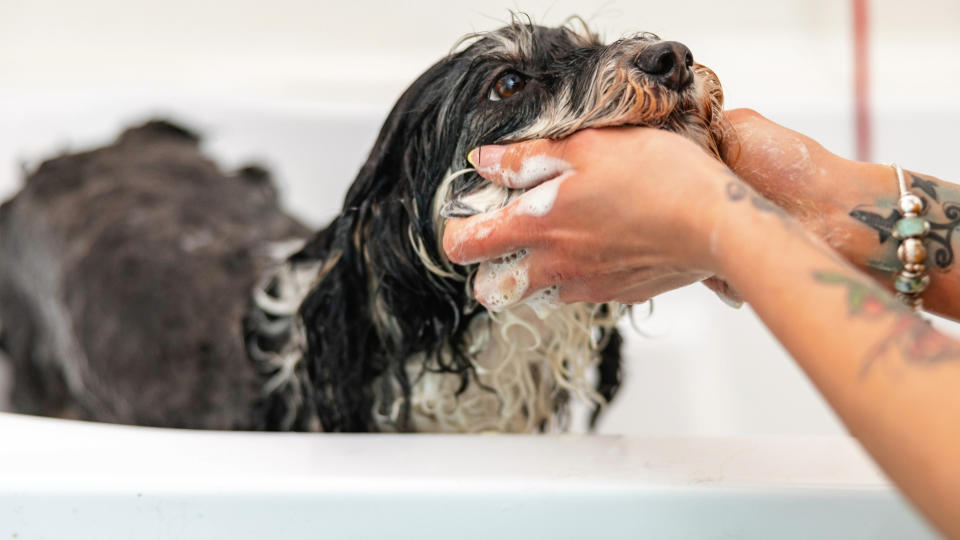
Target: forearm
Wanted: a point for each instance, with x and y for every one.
(871, 216)
(891, 378)
(851, 205)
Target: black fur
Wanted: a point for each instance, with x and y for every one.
(427, 133)
(124, 273)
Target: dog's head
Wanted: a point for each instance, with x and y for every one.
(387, 307)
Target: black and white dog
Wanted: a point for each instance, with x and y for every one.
(139, 284)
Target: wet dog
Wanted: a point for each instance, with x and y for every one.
(139, 284)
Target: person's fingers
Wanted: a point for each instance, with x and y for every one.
(493, 234)
(521, 165)
(503, 282)
(484, 236)
(539, 277)
(724, 291)
(629, 287)
(534, 275)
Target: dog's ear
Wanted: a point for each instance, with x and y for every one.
(375, 304)
(342, 349)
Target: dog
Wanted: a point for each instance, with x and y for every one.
(139, 284)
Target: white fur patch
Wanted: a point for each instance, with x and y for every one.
(528, 363)
(279, 295)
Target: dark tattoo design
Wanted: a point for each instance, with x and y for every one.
(941, 233)
(927, 186)
(737, 191)
(941, 229)
(917, 341)
(883, 225)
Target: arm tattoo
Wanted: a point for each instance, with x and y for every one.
(916, 341)
(738, 191)
(943, 215)
(927, 186)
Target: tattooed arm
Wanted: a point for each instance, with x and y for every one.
(624, 214)
(888, 374)
(851, 205)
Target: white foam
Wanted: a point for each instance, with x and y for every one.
(539, 200)
(502, 283)
(477, 228)
(533, 170)
(545, 301)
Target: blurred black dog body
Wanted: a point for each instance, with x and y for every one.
(140, 284)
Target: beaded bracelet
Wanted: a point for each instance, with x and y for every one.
(911, 230)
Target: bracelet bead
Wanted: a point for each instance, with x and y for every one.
(910, 283)
(911, 204)
(911, 229)
(912, 250)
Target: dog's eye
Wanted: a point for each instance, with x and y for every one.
(507, 85)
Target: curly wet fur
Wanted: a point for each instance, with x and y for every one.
(433, 359)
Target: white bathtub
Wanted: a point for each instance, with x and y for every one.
(716, 433)
(62, 479)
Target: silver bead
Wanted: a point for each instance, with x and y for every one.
(912, 251)
(910, 204)
(915, 268)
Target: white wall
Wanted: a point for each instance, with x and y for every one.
(368, 49)
(777, 57)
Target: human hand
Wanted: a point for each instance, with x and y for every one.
(795, 172)
(612, 214)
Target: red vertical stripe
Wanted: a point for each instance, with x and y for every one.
(861, 82)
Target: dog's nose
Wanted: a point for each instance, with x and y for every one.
(669, 63)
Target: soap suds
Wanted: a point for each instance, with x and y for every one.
(545, 301)
(477, 228)
(539, 200)
(533, 170)
(501, 283)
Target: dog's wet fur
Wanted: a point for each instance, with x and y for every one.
(140, 284)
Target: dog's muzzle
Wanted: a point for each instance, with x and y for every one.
(669, 63)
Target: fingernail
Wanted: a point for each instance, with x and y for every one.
(472, 157)
(732, 302)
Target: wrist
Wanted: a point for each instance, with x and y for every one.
(867, 203)
(749, 230)
(709, 218)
